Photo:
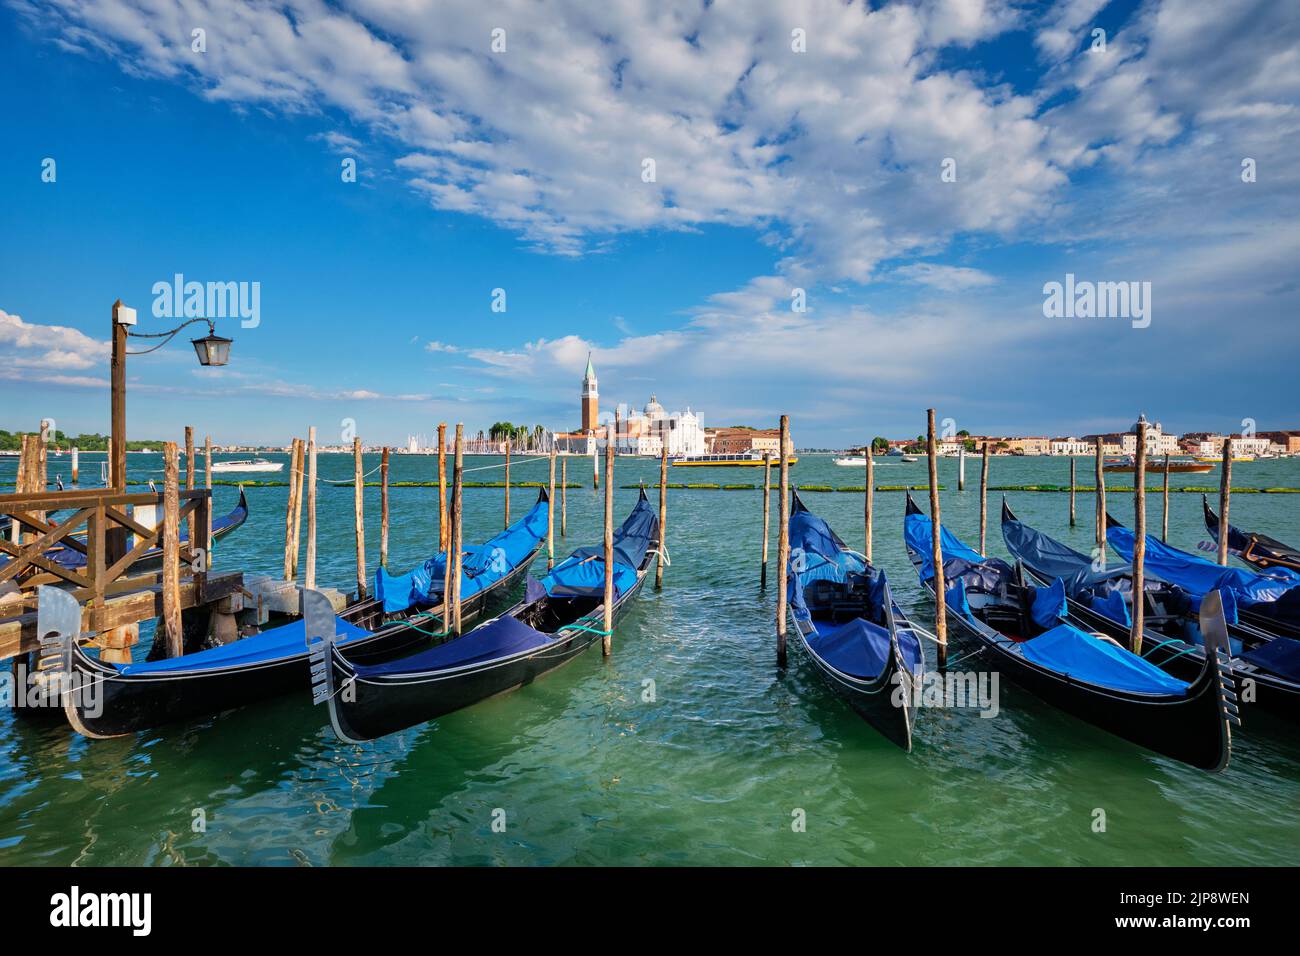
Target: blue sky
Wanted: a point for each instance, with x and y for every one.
(775, 170)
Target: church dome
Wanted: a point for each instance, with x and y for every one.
(653, 409)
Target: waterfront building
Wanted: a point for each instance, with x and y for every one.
(645, 432)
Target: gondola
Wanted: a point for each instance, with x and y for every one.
(1269, 601)
(116, 699)
(858, 639)
(1028, 633)
(1258, 550)
(1102, 600)
(73, 559)
(562, 614)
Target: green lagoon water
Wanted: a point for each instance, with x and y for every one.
(587, 771)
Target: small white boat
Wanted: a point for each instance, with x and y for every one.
(910, 458)
(852, 461)
(246, 464)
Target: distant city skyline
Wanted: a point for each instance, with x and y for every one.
(847, 229)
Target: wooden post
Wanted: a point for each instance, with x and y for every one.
(506, 523)
(564, 497)
(117, 437)
(936, 548)
(1164, 513)
(607, 639)
(663, 517)
(1100, 559)
(359, 518)
(870, 498)
(595, 466)
(292, 508)
(171, 567)
(782, 542)
(961, 467)
(1225, 495)
(444, 532)
(207, 483)
(76, 463)
(458, 523)
(1072, 484)
(550, 513)
(16, 532)
(1139, 538)
(309, 576)
(984, 496)
(189, 480)
(767, 518)
(383, 510)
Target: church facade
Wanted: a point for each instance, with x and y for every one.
(645, 432)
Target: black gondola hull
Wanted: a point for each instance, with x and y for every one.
(368, 709)
(120, 703)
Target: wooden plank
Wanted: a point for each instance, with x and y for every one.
(607, 638)
(291, 511)
(444, 532)
(782, 541)
(383, 510)
(1139, 538)
(309, 575)
(359, 517)
(18, 634)
(663, 517)
(936, 549)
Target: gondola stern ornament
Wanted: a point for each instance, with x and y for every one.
(58, 626)
(319, 625)
(1214, 630)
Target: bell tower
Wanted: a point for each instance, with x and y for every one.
(590, 398)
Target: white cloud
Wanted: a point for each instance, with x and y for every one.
(841, 145)
(48, 346)
(945, 278)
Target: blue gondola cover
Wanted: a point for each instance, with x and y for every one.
(482, 565)
(1067, 650)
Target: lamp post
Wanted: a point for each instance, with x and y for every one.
(212, 349)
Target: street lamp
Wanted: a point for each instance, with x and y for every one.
(212, 350)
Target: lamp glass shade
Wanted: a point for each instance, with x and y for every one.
(212, 349)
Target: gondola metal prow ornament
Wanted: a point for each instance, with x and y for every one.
(319, 625)
(1214, 629)
(58, 625)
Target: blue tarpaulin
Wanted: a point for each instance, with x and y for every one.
(500, 638)
(1281, 656)
(1069, 651)
(1251, 590)
(859, 648)
(583, 572)
(289, 640)
(1049, 604)
(481, 565)
(917, 532)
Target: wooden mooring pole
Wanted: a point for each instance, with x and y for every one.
(1100, 552)
(595, 467)
(607, 639)
(1139, 538)
(309, 574)
(782, 541)
(359, 517)
(457, 524)
(76, 465)
(984, 497)
(506, 523)
(1072, 486)
(663, 517)
(550, 513)
(1225, 498)
(961, 467)
(189, 479)
(444, 532)
(767, 519)
(1164, 511)
(291, 511)
(172, 632)
(870, 495)
(936, 546)
(383, 510)
(564, 497)
(207, 483)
